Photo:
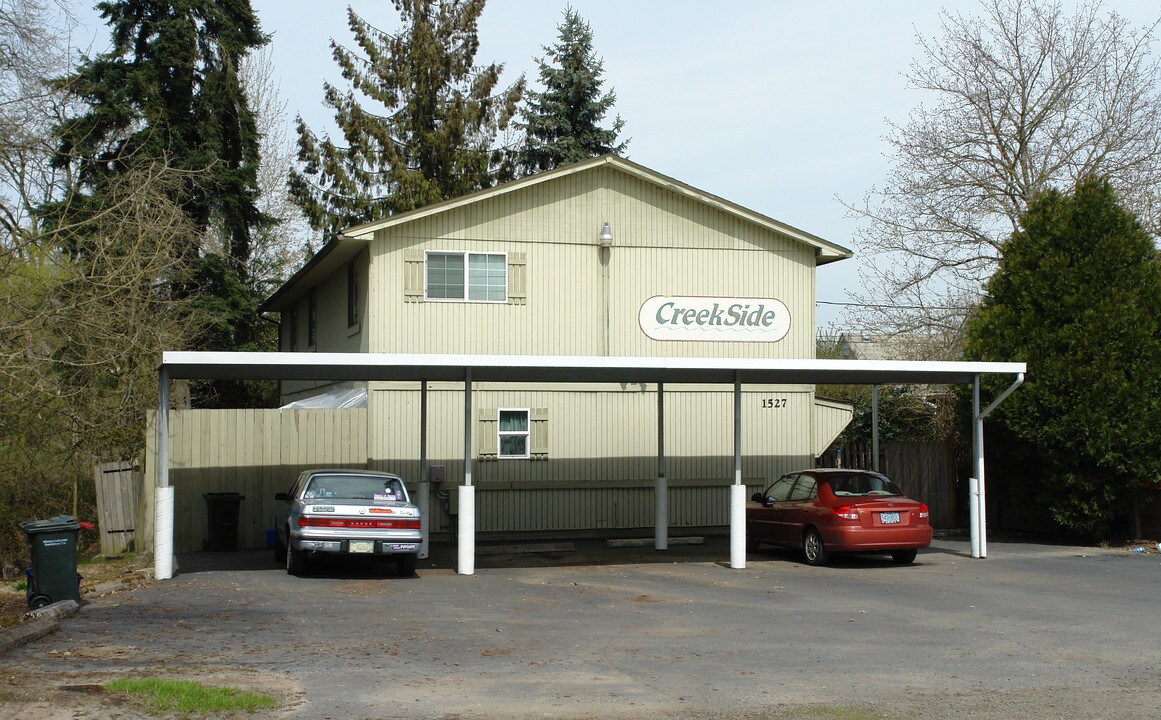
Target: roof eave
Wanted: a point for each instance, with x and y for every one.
(340, 249)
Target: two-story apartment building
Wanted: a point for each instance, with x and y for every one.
(600, 258)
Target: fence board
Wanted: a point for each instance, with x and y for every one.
(118, 492)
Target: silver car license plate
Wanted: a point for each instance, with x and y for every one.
(362, 546)
(891, 518)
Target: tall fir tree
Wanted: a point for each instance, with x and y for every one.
(432, 134)
(168, 91)
(562, 123)
(1077, 296)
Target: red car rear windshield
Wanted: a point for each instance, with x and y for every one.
(862, 485)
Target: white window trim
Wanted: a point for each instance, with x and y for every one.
(527, 433)
(465, 254)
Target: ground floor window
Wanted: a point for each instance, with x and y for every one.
(513, 433)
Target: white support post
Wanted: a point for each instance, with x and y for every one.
(980, 513)
(424, 499)
(737, 490)
(661, 489)
(466, 560)
(163, 499)
(976, 510)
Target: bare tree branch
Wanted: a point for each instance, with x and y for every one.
(1025, 98)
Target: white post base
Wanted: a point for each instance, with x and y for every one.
(738, 527)
(466, 558)
(661, 515)
(163, 534)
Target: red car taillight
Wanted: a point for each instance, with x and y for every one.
(360, 524)
(923, 512)
(846, 512)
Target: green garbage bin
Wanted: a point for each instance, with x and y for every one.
(53, 576)
(222, 515)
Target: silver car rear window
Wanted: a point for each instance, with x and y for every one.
(355, 487)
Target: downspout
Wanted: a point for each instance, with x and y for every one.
(875, 428)
(661, 490)
(424, 481)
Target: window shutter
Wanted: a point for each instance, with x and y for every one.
(538, 433)
(517, 279)
(487, 437)
(413, 279)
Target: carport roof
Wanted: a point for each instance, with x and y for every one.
(561, 368)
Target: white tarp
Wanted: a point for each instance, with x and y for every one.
(335, 397)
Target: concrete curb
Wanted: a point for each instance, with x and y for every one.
(521, 548)
(46, 620)
(27, 632)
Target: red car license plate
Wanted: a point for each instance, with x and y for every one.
(891, 518)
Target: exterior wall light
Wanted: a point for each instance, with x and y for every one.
(606, 236)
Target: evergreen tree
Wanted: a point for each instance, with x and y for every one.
(1078, 297)
(433, 133)
(168, 91)
(562, 124)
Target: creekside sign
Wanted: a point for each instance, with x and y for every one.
(714, 319)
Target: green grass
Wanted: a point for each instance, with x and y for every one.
(184, 696)
(833, 712)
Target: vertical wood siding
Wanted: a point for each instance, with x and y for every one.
(255, 453)
(601, 456)
(601, 447)
(578, 299)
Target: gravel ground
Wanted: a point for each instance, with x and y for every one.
(1033, 632)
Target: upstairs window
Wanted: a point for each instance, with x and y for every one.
(470, 276)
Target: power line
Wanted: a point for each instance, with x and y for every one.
(893, 307)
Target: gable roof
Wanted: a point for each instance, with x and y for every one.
(351, 241)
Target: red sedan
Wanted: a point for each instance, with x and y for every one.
(838, 510)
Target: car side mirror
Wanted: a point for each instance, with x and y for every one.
(282, 496)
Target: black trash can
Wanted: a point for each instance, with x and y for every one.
(53, 576)
(222, 514)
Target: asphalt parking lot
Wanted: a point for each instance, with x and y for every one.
(1032, 631)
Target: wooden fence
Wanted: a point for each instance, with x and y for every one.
(925, 471)
(118, 495)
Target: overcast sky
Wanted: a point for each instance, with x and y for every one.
(777, 105)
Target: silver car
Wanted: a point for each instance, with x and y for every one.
(347, 512)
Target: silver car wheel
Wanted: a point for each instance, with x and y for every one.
(295, 560)
(812, 547)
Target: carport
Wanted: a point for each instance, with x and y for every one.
(334, 367)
